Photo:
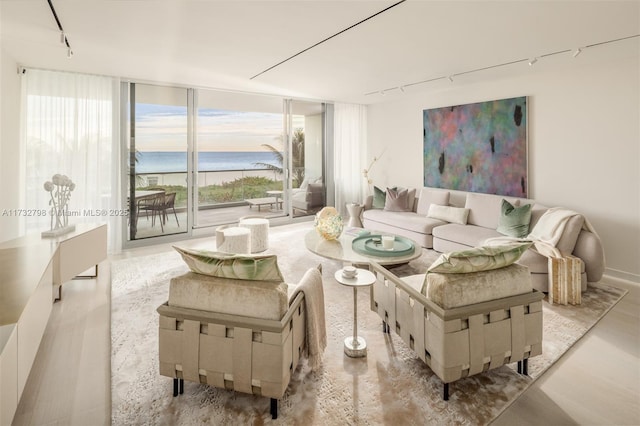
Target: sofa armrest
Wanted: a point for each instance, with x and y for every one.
(368, 202)
(589, 248)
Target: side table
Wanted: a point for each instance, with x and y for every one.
(355, 211)
(355, 346)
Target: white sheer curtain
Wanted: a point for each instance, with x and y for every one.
(350, 143)
(70, 126)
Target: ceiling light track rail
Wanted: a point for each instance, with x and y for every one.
(530, 61)
(63, 35)
(326, 39)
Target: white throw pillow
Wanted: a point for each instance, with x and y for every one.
(448, 213)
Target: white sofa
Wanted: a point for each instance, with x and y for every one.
(483, 215)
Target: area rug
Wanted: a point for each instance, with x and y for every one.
(390, 386)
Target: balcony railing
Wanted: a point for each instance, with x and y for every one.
(216, 189)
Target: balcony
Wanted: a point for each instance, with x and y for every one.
(222, 198)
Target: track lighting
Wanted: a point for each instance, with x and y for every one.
(63, 37)
(531, 62)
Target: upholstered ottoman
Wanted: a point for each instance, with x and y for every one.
(259, 228)
(233, 239)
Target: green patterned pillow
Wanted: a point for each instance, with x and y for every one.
(514, 221)
(479, 258)
(232, 266)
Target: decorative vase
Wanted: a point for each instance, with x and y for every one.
(329, 223)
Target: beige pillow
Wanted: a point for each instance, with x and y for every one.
(232, 266)
(479, 258)
(397, 200)
(448, 214)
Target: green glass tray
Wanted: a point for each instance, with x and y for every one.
(372, 245)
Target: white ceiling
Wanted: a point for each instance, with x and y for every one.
(222, 44)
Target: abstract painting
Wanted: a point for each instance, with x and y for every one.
(480, 147)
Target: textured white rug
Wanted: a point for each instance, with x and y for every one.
(390, 386)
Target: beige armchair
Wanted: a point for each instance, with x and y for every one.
(246, 336)
(455, 335)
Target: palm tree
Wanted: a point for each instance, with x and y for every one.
(297, 157)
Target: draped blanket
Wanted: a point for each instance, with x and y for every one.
(316, 332)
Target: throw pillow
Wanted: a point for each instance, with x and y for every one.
(448, 213)
(397, 200)
(233, 266)
(379, 198)
(514, 221)
(479, 258)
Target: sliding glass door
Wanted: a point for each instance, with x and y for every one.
(202, 158)
(158, 146)
(240, 152)
(305, 127)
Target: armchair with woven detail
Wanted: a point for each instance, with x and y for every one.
(234, 324)
(466, 315)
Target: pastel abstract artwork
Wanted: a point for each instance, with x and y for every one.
(480, 147)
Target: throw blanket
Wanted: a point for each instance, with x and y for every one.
(547, 232)
(316, 332)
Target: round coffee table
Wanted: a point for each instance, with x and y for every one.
(341, 249)
(355, 346)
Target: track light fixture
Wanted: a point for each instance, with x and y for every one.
(63, 37)
(531, 62)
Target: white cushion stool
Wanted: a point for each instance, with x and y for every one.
(259, 227)
(233, 239)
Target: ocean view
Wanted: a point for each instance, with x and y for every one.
(166, 162)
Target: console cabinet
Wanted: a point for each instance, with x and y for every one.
(31, 270)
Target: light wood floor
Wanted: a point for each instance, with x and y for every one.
(596, 382)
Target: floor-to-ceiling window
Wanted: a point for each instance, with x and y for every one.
(240, 146)
(201, 158)
(158, 147)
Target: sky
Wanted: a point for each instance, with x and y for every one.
(163, 128)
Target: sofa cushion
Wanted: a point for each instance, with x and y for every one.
(404, 220)
(397, 200)
(484, 209)
(455, 290)
(232, 266)
(448, 214)
(379, 198)
(430, 196)
(250, 298)
(479, 258)
(468, 235)
(514, 221)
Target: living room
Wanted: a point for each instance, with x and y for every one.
(583, 134)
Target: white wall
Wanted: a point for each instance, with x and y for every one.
(584, 144)
(9, 145)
